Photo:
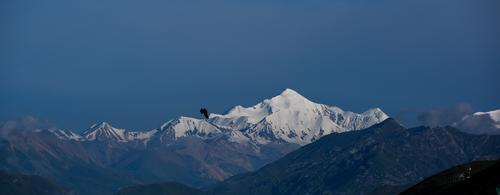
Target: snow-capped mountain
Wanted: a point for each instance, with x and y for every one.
(493, 115)
(104, 131)
(288, 117)
(197, 152)
(186, 126)
(292, 118)
(480, 123)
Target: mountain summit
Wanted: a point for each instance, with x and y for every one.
(105, 132)
(197, 152)
(286, 118)
(290, 117)
(186, 126)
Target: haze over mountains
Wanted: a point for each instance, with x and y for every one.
(187, 150)
(202, 152)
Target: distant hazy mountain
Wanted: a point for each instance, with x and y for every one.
(192, 151)
(358, 162)
(28, 123)
(481, 123)
(72, 164)
(18, 184)
(481, 177)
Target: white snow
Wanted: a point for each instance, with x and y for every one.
(186, 126)
(287, 117)
(140, 135)
(238, 137)
(66, 134)
(494, 115)
(293, 118)
(105, 131)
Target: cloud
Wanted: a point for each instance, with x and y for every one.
(27, 123)
(402, 117)
(444, 116)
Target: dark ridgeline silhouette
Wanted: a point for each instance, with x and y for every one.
(204, 111)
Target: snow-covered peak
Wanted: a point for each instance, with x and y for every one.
(292, 118)
(103, 124)
(287, 117)
(291, 94)
(186, 126)
(480, 123)
(288, 99)
(104, 131)
(494, 115)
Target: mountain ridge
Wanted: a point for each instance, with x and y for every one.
(358, 162)
(288, 117)
(192, 151)
(385, 158)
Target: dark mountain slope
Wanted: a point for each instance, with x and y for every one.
(18, 184)
(358, 162)
(484, 179)
(69, 164)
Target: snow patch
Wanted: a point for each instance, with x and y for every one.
(494, 115)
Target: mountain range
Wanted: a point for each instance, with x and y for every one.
(384, 156)
(286, 118)
(357, 162)
(332, 143)
(196, 152)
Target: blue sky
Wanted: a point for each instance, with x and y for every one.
(138, 64)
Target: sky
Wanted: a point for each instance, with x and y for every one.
(138, 64)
